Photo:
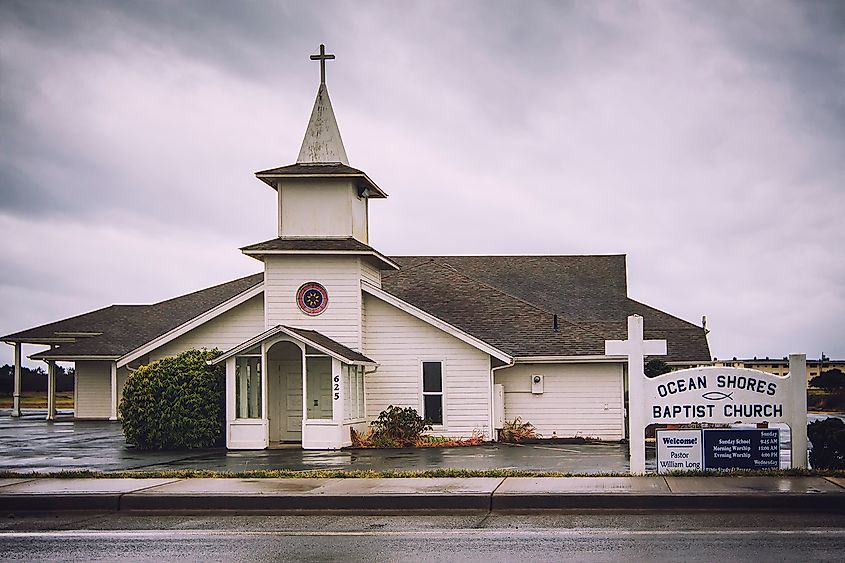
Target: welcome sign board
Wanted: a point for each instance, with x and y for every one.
(717, 448)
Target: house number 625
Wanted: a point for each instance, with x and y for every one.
(336, 387)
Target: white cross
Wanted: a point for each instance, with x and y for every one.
(322, 57)
(635, 348)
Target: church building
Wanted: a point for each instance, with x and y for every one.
(332, 331)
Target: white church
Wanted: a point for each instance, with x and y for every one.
(332, 331)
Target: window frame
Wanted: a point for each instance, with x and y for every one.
(249, 355)
(442, 393)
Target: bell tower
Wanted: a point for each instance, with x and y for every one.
(321, 196)
(322, 244)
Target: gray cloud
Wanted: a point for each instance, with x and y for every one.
(704, 140)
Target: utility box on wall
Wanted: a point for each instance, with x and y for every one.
(536, 384)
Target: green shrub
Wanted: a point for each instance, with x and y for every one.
(828, 439)
(175, 403)
(398, 427)
(829, 380)
(656, 367)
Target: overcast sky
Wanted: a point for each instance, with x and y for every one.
(705, 140)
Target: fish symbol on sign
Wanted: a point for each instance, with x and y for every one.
(716, 396)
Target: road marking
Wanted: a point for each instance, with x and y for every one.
(467, 532)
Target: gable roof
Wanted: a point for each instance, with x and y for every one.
(310, 337)
(511, 302)
(124, 328)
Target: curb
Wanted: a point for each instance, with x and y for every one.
(795, 502)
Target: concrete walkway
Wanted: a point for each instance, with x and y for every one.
(812, 494)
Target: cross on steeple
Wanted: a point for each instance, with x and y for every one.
(322, 57)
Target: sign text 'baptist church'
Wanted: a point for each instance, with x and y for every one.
(717, 390)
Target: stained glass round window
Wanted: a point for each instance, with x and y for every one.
(312, 298)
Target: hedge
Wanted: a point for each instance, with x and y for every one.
(175, 403)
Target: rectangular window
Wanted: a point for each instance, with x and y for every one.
(248, 387)
(433, 392)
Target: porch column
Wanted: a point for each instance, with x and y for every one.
(113, 415)
(51, 390)
(16, 396)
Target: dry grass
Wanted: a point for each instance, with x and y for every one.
(371, 439)
(516, 431)
(38, 400)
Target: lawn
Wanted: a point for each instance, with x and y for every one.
(38, 400)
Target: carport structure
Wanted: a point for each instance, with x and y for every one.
(106, 344)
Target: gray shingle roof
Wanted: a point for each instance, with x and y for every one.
(510, 302)
(334, 346)
(507, 301)
(347, 245)
(321, 170)
(127, 327)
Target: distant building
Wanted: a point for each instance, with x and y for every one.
(769, 365)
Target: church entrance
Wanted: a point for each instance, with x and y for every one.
(284, 392)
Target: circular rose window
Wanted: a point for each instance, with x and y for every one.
(312, 298)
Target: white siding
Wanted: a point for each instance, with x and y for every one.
(399, 342)
(224, 332)
(93, 389)
(577, 399)
(340, 275)
(321, 208)
(370, 273)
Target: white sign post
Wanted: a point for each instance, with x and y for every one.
(709, 395)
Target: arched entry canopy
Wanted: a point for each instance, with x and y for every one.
(291, 385)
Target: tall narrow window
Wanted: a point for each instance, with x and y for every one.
(248, 387)
(433, 392)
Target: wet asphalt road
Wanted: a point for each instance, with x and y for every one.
(598, 536)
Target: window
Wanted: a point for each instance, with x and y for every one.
(433, 392)
(248, 387)
(353, 389)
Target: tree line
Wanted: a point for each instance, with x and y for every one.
(34, 379)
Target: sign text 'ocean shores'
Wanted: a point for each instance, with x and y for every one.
(716, 394)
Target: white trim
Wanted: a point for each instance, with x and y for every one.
(384, 259)
(568, 359)
(443, 426)
(435, 322)
(291, 334)
(58, 358)
(192, 324)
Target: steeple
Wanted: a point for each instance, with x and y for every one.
(322, 143)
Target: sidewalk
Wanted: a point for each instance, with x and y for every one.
(816, 494)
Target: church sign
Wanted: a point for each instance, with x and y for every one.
(716, 394)
(717, 448)
(710, 395)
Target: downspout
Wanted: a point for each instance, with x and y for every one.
(492, 382)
